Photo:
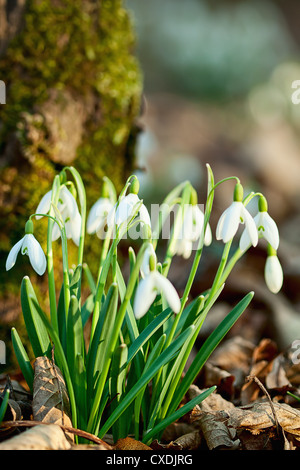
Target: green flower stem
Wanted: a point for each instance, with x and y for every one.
(193, 271)
(177, 224)
(64, 259)
(66, 278)
(209, 203)
(100, 287)
(171, 200)
(217, 280)
(92, 424)
(231, 263)
(105, 248)
(114, 264)
(250, 196)
(82, 199)
(50, 269)
(105, 267)
(229, 178)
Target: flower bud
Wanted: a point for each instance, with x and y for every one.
(105, 190)
(238, 193)
(194, 197)
(262, 204)
(135, 186)
(152, 262)
(29, 228)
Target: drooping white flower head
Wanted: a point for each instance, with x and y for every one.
(28, 245)
(125, 209)
(149, 287)
(190, 231)
(68, 208)
(231, 218)
(266, 227)
(149, 256)
(97, 218)
(273, 271)
(183, 247)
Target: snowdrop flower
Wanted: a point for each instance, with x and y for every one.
(235, 214)
(266, 227)
(69, 211)
(190, 231)
(98, 215)
(148, 255)
(124, 211)
(273, 271)
(28, 245)
(149, 287)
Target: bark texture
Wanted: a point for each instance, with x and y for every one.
(73, 97)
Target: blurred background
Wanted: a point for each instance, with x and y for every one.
(217, 88)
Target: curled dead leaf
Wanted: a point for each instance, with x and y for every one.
(216, 433)
(41, 437)
(50, 402)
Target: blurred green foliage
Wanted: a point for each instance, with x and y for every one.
(209, 49)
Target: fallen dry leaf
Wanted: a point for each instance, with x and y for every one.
(213, 402)
(258, 417)
(50, 402)
(156, 445)
(265, 351)
(176, 430)
(190, 441)
(250, 391)
(41, 437)
(276, 378)
(216, 433)
(233, 355)
(213, 375)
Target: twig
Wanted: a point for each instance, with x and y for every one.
(249, 378)
(78, 432)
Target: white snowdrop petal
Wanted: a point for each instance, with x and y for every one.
(73, 228)
(195, 223)
(270, 233)
(169, 291)
(69, 200)
(36, 255)
(144, 296)
(111, 216)
(12, 255)
(44, 205)
(220, 225)
(245, 241)
(98, 215)
(55, 232)
(145, 269)
(250, 226)
(230, 222)
(208, 236)
(144, 215)
(184, 248)
(124, 210)
(273, 274)
(92, 220)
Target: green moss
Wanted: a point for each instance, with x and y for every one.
(67, 47)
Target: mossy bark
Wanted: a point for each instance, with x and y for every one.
(73, 96)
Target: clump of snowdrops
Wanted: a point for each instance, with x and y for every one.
(130, 377)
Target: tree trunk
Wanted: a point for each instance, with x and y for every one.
(73, 90)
